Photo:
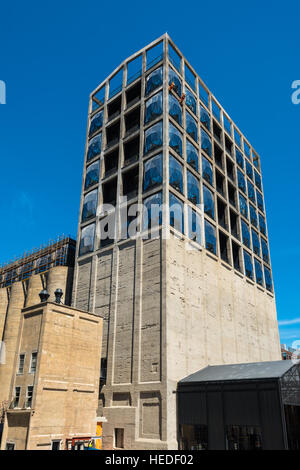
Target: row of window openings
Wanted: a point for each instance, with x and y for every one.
(32, 366)
(28, 400)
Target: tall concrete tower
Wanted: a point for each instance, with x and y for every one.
(199, 289)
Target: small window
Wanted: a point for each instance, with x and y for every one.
(253, 215)
(207, 170)
(29, 395)
(205, 142)
(237, 137)
(262, 225)
(130, 179)
(153, 107)
(209, 205)
(175, 139)
(234, 224)
(230, 169)
(236, 256)
(176, 213)
(55, 445)
(33, 363)
(193, 192)
(239, 158)
(175, 109)
(246, 149)
(210, 237)
(258, 272)
(154, 137)
(251, 192)
(248, 265)
(257, 179)
(222, 218)
(241, 181)
(268, 279)
(190, 101)
(220, 183)
(21, 363)
(227, 124)
(260, 201)
(255, 242)
(154, 80)
(265, 251)
(174, 82)
(249, 170)
(243, 206)
(231, 194)
(87, 239)
(223, 242)
(245, 234)
(16, 400)
(10, 446)
(218, 153)
(192, 155)
(176, 174)
(119, 438)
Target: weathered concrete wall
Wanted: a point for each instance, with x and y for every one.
(3, 308)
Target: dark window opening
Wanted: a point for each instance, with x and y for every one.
(113, 134)
(132, 121)
(193, 437)
(119, 438)
(114, 108)
(236, 256)
(132, 150)
(131, 182)
(103, 371)
(234, 224)
(111, 162)
(228, 145)
(217, 131)
(110, 192)
(221, 213)
(243, 437)
(220, 182)
(133, 94)
(223, 241)
(230, 169)
(231, 194)
(218, 155)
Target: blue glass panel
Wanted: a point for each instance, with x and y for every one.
(87, 239)
(90, 205)
(190, 101)
(176, 213)
(94, 147)
(257, 179)
(153, 171)
(175, 109)
(262, 225)
(210, 237)
(154, 80)
(251, 192)
(260, 202)
(175, 174)
(248, 265)
(239, 158)
(258, 272)
(191, 126)
(204, 117)
(175, 81)
(241, 181)
(253, 216)
(194, 225)
(246, 149)
(154, 55)
(243, 206)
(237, 137)
(175, 139)
(209, 205)
(96, 123)
(153, 107)
(268, 279)
(92, 174)
(245, 234)
(154, 137)
(193, 192)
(255, 243)
(153, 214)
(265, 251)
(205, 142)
(192, 155)
(249, 170)
(207, 170)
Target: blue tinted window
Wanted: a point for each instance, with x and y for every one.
(175, 81)
(96, 123)
(262, 225)
(239, 158)
(176, 213)
(207, 171)
(94, 147)
(203, 94)
(246, 149)
(245, 234)
(192, 155)
(253, 216)
(209, 205)
(92, 174)
(260, 202)
(153, 107)
(248, 265)
(190, 101)
(153, 171)
(154, 137)
(153, 211)
(175, 139)
(205, 142)
(154, 80)
(255, 243)
(258, 272)
(243, 206)
(268, 279)
(265, 251)
(257, 179)
(249, 169)
(193, 192)
(241, 181)
(194, 225)
(175, 174)
(204, 117)
(251, 192)
(87, 239)
(210, 237)
(191, 126)
(89, 205)
(175, 109)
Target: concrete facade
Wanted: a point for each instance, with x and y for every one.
(65, 379)
(170, 305)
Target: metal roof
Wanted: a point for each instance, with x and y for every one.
(246, 371)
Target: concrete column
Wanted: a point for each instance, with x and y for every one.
(60, 277)
(3, 308)
(34, 288)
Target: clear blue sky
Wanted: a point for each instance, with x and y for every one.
(54, 54)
